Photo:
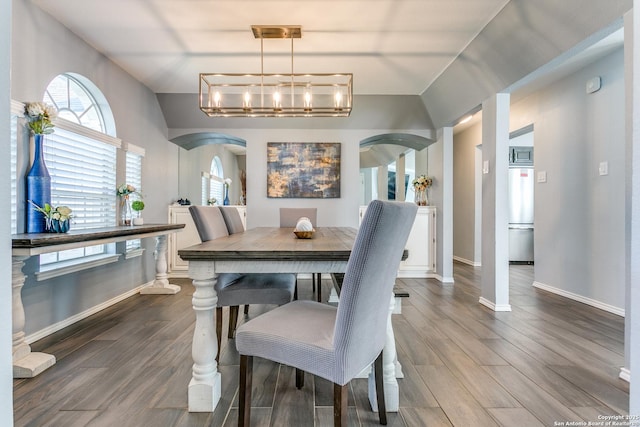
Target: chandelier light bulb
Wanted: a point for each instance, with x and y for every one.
(338, 101)
(307, 99)
(217, 98)
(277, 101)
(246, 102)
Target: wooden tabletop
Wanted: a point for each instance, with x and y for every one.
(36, 240)
(274, 243)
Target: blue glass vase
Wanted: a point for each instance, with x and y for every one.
(226, 196)
(38, 188)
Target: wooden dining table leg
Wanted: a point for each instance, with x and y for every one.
(205, 385)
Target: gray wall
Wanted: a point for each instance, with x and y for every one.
(42, 49)
(6, 384)
(579, 215)
(264, 211)
(464, 192)
(494, 60)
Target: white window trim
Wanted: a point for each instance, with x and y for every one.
(61, 268)
(133, 253)
(87, 132)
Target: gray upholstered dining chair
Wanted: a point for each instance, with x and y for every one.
(289, 218)
(239, 289)
(335, 343)
(232, 219)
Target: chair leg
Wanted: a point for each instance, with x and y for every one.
(244, 404)
(313, 282)
(233, 321)
(299, 378)
(246, 309)
(218, 330)
(340, 404)
(382, 408)
(319, 286)
(295, 290)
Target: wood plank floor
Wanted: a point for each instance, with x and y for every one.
(549, 360)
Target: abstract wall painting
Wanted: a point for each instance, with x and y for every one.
(303, 170)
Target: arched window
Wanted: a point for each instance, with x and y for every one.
(213, 182)
(81, 158)
(79, 101)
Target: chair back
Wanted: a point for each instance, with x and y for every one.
(289, 216)
(209, 222)
(232, 219)
(367, 288)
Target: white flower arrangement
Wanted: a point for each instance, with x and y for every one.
(212, 201)
(227, 182)
(125, 190)
(39, 115)
(422, 182)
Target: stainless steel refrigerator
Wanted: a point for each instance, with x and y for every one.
(521, 183)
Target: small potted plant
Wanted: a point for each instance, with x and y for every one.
(138, 206)
(57, 218)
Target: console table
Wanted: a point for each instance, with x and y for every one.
(28, 364)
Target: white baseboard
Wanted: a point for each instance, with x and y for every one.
(625, 374)
(441, 279)
(415, 274)
(31, 338)
(466, 261)
(493, 306)
(589, 301)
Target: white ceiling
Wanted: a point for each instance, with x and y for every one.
(391, 46)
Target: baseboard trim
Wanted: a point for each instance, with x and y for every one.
(31, 338)
(589, 301)
(441, 279)
(466, 261)
(416, 274)
(493, 306)
(625, 374)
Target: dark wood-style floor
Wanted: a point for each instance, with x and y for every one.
(549, 360)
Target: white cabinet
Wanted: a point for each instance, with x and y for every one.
(187, 237)
(421, 244)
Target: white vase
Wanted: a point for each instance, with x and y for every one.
(138, 221)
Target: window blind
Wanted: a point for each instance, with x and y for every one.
(83, 171)
(134, 177)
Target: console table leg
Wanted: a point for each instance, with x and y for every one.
(205, 385)
(161, 284)
(26, 364)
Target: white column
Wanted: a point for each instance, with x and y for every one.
(632, 202)
(400, 169)
(446, 214)
(383, 176)
(495, 203)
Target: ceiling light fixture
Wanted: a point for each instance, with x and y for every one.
(276, 95)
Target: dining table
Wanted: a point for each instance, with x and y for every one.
(267, 250)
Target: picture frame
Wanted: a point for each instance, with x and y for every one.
(306, 170)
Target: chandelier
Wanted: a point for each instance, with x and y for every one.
(276, 95)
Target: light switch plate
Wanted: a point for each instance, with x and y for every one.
(542, 176)
(485, 167)
(603, 168)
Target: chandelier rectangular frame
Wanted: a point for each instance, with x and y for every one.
(276, 95)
